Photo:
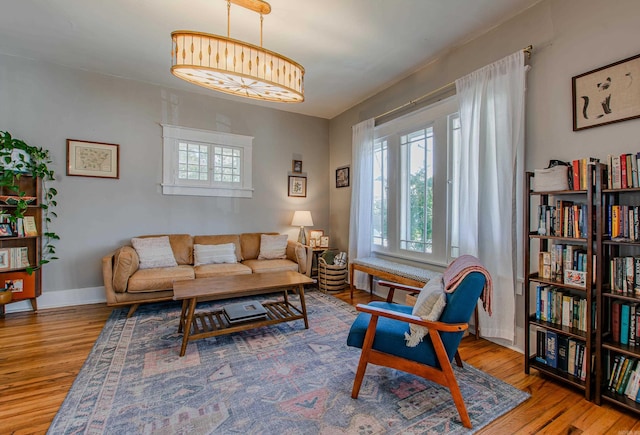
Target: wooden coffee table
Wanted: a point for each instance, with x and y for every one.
(209, 324)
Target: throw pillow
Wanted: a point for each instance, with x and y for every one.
(214, 254)
(273, 247)
(154, 252)
(429, 306)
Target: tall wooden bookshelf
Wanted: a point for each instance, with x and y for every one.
(20, 252)
(555, 237)
(611, 246)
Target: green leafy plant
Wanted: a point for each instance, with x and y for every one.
(18, 159)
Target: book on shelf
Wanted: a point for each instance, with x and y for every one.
(563, 352)
(552, 349)
(30, 229)
(624, 324)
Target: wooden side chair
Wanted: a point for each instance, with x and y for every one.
(380, 328)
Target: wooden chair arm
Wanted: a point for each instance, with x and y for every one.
(394, 285)
(438, 326)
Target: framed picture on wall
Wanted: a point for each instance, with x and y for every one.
(342, 176)
(606, 95)
(93, 159)
(298, 186)
(297, 166)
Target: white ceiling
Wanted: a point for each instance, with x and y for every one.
(351, 49)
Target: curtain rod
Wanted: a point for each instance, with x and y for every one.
(527, 51)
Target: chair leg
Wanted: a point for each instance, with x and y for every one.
(357, 382)
(364, 356)
(458, 359)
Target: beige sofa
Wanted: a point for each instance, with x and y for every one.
(126, 284)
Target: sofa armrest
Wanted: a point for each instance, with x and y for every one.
(301, 254)
(107, 277)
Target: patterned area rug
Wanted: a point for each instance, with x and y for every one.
(281, 379)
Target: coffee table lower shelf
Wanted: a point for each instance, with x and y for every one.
(209, 324)
(206, 324)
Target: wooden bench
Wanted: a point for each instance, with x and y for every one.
(388, 270)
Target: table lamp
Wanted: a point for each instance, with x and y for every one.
(302, 219)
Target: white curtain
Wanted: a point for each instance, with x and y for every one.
(491, 170)
(361, 196)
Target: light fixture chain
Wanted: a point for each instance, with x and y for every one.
(261, 20)
(228, 18)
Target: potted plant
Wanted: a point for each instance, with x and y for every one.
(18, 159)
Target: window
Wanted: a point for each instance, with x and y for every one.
(413, 211)
(206, 163)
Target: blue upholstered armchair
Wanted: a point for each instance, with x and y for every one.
(379, 330)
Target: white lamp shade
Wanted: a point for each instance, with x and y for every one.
(302, 219)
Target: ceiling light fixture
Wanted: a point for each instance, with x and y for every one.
(235, 67)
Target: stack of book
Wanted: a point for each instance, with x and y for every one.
(624, 377)
(625, 323)
(623, 223)
(562, 353)
(624, 275)
(557, 306)
(244, 312)
(564, 219)
(622, 171)
(564, 263)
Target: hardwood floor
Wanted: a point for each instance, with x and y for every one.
(40, 356)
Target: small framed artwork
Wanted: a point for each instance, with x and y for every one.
(298, 186)
(93, 159)
(607, 94)
(324, 241)
(297, 166)
(315, 236)
(5, 230)
(342, 177)
(4, 258)
(313, 243)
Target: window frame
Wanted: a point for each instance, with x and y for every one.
(171, 185)
(436, 115)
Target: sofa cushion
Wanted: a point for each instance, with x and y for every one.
(162, 278)
(214, 254)
(209, 270)
(181, 245)
(261, 266)
(250, 244)
(125, 263)
(273, 247)
(154, 252)
(219, 240)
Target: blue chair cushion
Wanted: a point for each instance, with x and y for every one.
(390, 333)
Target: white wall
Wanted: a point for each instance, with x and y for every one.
(570, 37)
(45, 104)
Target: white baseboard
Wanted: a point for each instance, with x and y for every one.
(61, 298)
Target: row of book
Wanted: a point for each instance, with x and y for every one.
(564, 219)
(624, 275)
(558, 306)
(625, 323)
(578, 172)
(624, 377)
(623, 223)
(564, 263)
(14, 258)
(562, 353)
(21, 227)
(622, 171)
